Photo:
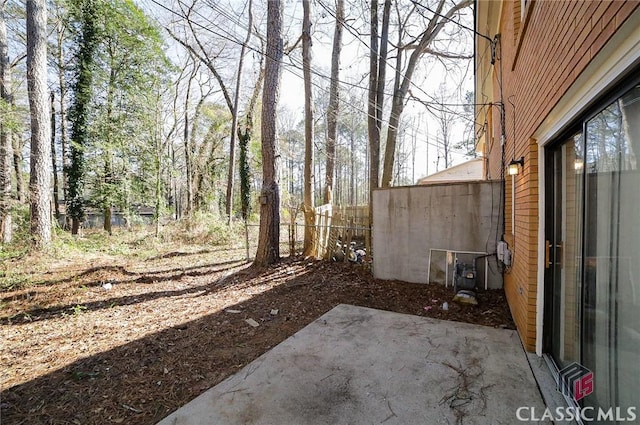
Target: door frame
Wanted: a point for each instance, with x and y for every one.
(615, 60)
(550, 234)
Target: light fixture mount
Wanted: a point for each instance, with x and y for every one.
(514, 166)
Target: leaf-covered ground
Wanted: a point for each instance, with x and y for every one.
(128, 339)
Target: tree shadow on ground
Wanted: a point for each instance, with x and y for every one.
(144, 380)
(175, 254)
(143, 277)
(39, 314)
(83, 272)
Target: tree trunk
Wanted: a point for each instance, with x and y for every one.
(268, 251)
(245, 138)
(39, 184)
(79, 115)
(5, 138)
(402, 82)
(106, 196)
(16, 146)
(62, 81)
(397, 106)
(372, 122)
(376, 89)
(106, 225)
(309, 212)
(109, 178)
(158, 187)
(187, 151)
(334, 101)
(382, 63)
(54, 162)
(352, 177)
(6, 222)
(157, 160)
(234, 120)
(245, 184)
(245, 172)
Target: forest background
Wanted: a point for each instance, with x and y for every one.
(157, 109)
(146, 145)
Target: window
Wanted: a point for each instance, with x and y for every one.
(593, 294)
(611, 304)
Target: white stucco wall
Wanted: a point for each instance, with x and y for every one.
(409, 221)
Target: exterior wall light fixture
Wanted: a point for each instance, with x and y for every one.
(513, 169)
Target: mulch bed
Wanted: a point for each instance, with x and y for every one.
(131, 343)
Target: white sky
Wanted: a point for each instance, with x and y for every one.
(354, 68)
(354, 63)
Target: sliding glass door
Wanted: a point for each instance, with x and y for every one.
(611, 334)
(593, 231)
(564, 250)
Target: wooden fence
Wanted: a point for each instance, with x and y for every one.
(335, 223)
(332, 223)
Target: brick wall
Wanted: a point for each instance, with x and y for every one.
(542, 52)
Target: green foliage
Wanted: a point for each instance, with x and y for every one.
(19, 245)
(245, 177)
(92, 242)
(209, 158)
(11, 116)
(203, 229)
(78, 309)
(13, 281)
(121, 67)
(85, 13)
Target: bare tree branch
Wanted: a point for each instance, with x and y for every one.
(202, 56)
(446, 55)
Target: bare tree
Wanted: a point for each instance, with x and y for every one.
(39, 184)
(415, 130)
(187, 150)
(200, 50)
(61, 34)
(334, 101)
(419, 47)
(268, 250)
(446, 118)
(291, 136)
(17, 144)
(234, 118)
(309, 214)
(54, 162)
(163, 140)
(378, 67)
(372, 121)
(244, 137)
(5, 139)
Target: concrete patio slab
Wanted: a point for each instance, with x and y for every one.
(357, 365)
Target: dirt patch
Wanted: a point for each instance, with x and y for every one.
(131, 342)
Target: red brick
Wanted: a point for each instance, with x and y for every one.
(603, 37)
(625, 11)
